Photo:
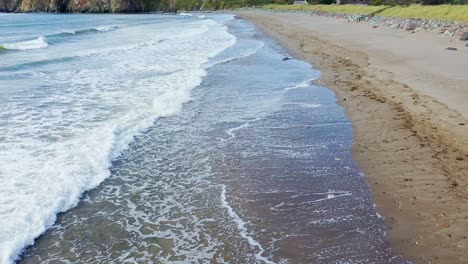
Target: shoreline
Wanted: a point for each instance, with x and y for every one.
(412, 147)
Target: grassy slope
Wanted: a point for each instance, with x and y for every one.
(221, 4)
(440, 12)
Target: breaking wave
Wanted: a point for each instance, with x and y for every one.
(44, 41)
(37, 43)
(98, 113)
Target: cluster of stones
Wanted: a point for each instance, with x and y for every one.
(445, 28)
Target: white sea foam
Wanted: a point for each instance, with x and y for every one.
(379, 215)
(252, 47)
(331, 194)
(41, 42)
(37, 43)
(184, 14)
(303, 84)
(241, 226)
(304, 105)
(231, 131)
(61, 142)
(106, 28)
(337, 219)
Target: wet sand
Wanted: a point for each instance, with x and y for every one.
(406, 96)
(290, 176)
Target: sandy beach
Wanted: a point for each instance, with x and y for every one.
(406, 96)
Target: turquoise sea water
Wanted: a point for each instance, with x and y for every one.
(172, 139)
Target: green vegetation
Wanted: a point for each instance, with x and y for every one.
(229, 4)
(436, 12)
(150, 5)
(188, 5)
(430, 9)
(350, 9)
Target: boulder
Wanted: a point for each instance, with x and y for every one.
(448, 33)
(411, 26)
(464, 37)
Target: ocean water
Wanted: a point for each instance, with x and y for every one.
(172, 139)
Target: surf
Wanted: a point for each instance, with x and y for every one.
(42, 42)
(86, 113)
(38, 43)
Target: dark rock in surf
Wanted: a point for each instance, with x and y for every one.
(451, 48)
(286, 58)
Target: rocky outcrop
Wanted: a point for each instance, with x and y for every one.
(9, 5)
(88, 6)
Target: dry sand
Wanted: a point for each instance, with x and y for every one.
(408, 100)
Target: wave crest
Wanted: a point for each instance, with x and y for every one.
(44, 41)
(106, 28)
(37, 43)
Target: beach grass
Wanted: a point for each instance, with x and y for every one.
(438, 12)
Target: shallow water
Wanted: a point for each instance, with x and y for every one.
(209, 146)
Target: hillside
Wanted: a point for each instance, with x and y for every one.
(91, 6)
(124, 6)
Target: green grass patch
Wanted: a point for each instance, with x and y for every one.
(231, 4)
(439, 12)
(350, 9)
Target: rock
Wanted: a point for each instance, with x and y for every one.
(464, 37)
(451, 48)
(360, 18)
(411, 26)
(448, 33)
(286, 58)
(375, 26)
